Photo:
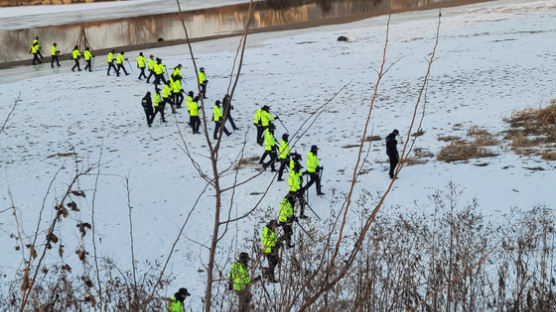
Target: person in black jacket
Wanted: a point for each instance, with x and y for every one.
(392, 151)
(147, 104)
(227, 108)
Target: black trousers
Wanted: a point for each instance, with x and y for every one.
(288, 232)
(158, 79)
(76, 65)
(231, 120)
(142, 74)
(178, 99)
(273, 155)
(121, 66)
(314, 178)
(151, 73)
(159, 108)
(217, 125)
(204, 89)
(36, 58)
(195, 122)
(259, 134)
(283, 163)
(150, 116)
(393, 163)
(88, 65)
(244, 298)
(300, 200)
(273, 260)
(111, 65)
(54, 58)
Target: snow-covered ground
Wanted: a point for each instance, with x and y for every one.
(492, 59)
(45, 15)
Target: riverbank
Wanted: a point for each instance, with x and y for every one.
(161, 30)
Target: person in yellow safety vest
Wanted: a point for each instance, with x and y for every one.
(203, 82)
(257, 123)
(294, 186)
(158, 72)
(151, 67)
(75, 55)
(177, 72)
(271, 246)
(120, 63)
(175, 304)
(283, 154)
(269, 148)
(141, 64)
(158, 104)
(193, 108)
(35, 49)
(167, 95)
(54, 53)
(313, 169)
(177, 91)
(265, 117)
(170, 83)
(287, 217)
(87, 55)
(239, 281)
(217, 117)
(110, 60)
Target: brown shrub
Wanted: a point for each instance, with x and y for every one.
(422, 153)
(483, 140)
(448, 138)
(371, 138)
(475, 130)
(551, 155)
(419, 132)
(246, 162)
(461, 150)
(410, 161)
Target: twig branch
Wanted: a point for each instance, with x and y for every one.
(17, 100)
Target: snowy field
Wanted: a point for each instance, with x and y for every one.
(493, 58)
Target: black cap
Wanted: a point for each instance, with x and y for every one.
(243, 256)
(265, 107)
(314, 147)
(396, 132)
(285, 136)
(217, 102)
(183, 292)
(190, 93)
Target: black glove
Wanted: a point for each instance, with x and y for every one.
(230, 285)
(277, 118)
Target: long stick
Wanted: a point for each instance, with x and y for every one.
(304, 231)
(280, 120)
(312, 210)
(131, 67)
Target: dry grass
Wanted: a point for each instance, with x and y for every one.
(246, 162)
(475, 130)
(448, 138)
(410, 161)
(532, 130)
(371, 138)
(549, 155)
(461, 150)
(422, 153)
(418, 133)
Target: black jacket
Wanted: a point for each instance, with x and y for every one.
(147, 103)
(391, 143)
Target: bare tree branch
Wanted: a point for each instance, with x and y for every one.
(17, 100)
